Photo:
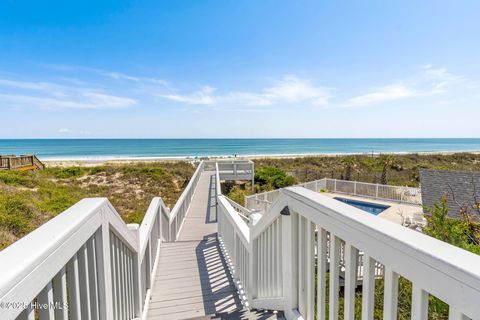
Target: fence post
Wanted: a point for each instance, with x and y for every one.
(334, 185)
(355, 187)
(289, 263)
(376, 191)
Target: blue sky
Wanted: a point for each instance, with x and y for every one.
(175, 69)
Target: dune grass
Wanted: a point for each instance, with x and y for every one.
(29, 199)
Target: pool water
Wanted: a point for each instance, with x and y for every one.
(372, 208)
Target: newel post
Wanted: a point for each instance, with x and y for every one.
(253, 261)
(289, 261)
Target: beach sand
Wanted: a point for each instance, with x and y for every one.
(122, 161)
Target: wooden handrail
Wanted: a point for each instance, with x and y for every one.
(28, 162)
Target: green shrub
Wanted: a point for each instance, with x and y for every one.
(274, 177)
(237, 193)
(65, 173)
(458, 232)
(139, 171)
(96, 170)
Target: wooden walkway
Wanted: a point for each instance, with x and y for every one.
(192, 278)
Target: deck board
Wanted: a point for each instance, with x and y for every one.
(192, 278)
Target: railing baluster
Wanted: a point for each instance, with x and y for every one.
(118, 278)
(73, 289)
(368, 290)
(350, 280)
(104, 271)
(84, 283)
(270, 258)
(279, 257)
(260, 266)
(301, 265)
(419, 303)
(127, 282)
(113, 254)
(310, 274)
(60, 294)
(334, 275)
(390, 303)
(273, 270)
(264, 265)
(131, 292)
(45, 301)
(122, 280)
(321, 272)
(92, 272)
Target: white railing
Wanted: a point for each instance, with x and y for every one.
(374, 190)
(303, 229)
(235, 170)
(88, 263)
(262, 201)
(235, 244)
(177, 215)
(241, 210)
(410, 195)
(86, 258)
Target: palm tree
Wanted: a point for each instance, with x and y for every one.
(350, 163)
(387, 161)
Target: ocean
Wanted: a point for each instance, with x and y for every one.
(103, 149)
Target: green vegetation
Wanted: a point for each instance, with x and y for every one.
(462, 233)
(401, 170)
(270, 178)
(29, 199)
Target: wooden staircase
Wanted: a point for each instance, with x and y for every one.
(23, 162)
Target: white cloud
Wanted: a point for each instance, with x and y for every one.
(287, 90)
(430, 81)
(64, 130)
(89, 101)
(382, 94)
(47, 95)
(118, 76)
(108, 101)
(204, 96)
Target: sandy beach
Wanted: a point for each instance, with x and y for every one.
(91, 162)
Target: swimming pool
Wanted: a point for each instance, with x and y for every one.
(372, 208)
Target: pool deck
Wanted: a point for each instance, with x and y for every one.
(394, 213)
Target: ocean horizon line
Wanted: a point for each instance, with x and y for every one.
(111, 149)
(257, 138)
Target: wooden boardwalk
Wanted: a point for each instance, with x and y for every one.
(192, 278)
